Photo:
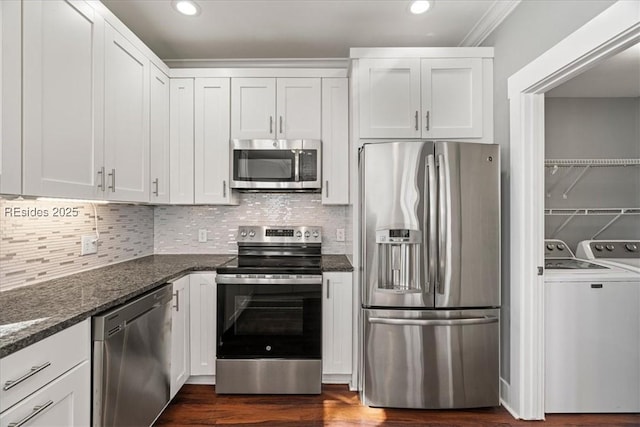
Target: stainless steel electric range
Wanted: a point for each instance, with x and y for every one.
(269, 313)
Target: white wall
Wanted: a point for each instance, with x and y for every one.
(531, 29)
(592, 128)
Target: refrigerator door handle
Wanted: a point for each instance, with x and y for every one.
(434, 322)
(432, 223)
(442, 223)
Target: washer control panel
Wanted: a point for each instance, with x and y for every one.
(555, 248)
(615, 249)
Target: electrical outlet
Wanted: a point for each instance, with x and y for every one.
(340, 234)
(89, 245)
(202, 235)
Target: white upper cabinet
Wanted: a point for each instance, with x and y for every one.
(335, 141)
(126, 126)
(270, 108)
(253, 108)
(10, 95)
(298, 108)
(182, 143)
(212, 134)
(62, 99)
(452, 98)
(433, 98)
(389, 98)
(159, 136)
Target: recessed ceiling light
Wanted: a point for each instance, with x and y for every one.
(419, 6)
(186, 7)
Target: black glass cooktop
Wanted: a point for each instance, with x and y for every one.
(272, 265)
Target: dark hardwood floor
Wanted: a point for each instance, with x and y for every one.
(198, 405)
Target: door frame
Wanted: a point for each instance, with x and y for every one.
(614, 30)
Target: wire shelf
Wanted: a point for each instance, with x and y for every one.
(549, 163)
(617, 213)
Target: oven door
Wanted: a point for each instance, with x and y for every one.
(275, 164)
(269, 318)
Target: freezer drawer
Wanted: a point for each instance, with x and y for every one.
(431, 359)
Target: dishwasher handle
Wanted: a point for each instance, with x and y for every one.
(113, 321)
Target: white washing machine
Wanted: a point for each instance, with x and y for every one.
(619, 253)
(592, 334)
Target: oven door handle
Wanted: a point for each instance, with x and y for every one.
(232, 279)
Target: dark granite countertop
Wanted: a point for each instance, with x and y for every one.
(336, 263)
(31, 313)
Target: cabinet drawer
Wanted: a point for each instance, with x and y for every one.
(34, 366)
(66, 402)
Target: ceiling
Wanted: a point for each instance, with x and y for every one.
(257, 29)
(616, 77)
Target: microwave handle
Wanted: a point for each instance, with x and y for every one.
(296, 166)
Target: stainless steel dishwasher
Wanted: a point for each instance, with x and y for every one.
(131, 361)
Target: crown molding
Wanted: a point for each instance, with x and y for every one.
(493, 17)
(259, 63)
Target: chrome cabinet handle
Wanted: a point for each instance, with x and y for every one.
(155, 182)
(432, 222)
(112, 187)
(280, 124)
(270, 124)
(328, 287)
(326, 187)
(417, 120)
(37, 410)
(427, 120)
(224, 188)
(434, 322)
(101, 174)
(442, 222)
(177, 295)
(8, 385)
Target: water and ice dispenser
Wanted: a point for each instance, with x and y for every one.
(399, 260)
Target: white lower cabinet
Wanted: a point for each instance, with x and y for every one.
(337, 327)
(64, 402)
(203, 323)
(180, 342)
(49, 383)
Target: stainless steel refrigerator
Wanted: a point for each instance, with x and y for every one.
(430, 251)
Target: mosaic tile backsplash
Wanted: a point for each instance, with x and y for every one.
(176, 227)
(41, 240)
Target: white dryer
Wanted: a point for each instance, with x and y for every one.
(592, 334)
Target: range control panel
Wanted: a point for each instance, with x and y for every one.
(615, 249)
(554, 248)
(275, 234)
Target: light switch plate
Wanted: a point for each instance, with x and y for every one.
(340, 234)
(89, 245)
(202, 235)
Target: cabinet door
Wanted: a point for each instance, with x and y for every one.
(298, 108)
(253, 108)
(65, 401)
(126, 127)
(337, 324)
(203, 323)
(212, 133)
(11, 97)
(180, 343)
(63, 76)
(389, 98)
(159, 136)
(452, 98)
(181, 130)
(335, 141)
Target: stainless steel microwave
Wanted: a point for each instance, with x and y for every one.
(276, 164)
